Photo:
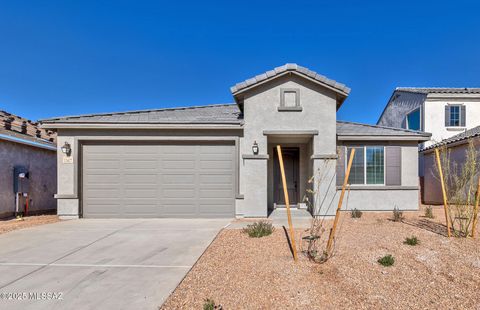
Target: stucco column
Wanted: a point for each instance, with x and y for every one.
(67, 192)
(254, 175)
(324, 170)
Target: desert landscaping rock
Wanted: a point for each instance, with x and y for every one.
(239, 272)
(29, 221)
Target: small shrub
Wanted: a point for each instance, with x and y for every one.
(429, 212)
(356, 214)
(411, 241)
(397, 215)
(259, 229)
(386, 261)
(209, 304)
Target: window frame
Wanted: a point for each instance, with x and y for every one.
(297, 106)
(420, 125)
(364, 147)
(459, 107)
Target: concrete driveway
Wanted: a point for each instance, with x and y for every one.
(100, 264)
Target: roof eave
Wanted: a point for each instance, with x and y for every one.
(341, 94)
(28, 142)
(382, 138)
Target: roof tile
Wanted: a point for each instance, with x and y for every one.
(291, 67)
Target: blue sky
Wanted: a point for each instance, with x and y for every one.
(64, 57)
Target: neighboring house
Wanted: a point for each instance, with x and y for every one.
(25, 147)
(457, 147)
(220, 160)
(443, 112)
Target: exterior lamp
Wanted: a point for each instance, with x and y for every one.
(255, 148)
(66, 149)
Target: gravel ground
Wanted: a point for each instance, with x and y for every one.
(239, 272)
(29, 221)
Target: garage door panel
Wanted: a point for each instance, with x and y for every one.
(178, 179)
(104, 192)
(216, 179)
(158, 180)
(215, 193)
(140, 193)
(175, 164)
(181, 149)
(103, 164)
(216, 165)
(140, 179)
(178, 193)
(132, 164)
(179, 209)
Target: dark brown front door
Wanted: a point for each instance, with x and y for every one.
(291, 165)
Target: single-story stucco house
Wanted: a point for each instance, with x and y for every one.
(220, 160)
(457, 147)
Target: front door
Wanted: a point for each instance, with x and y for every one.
(291, 166)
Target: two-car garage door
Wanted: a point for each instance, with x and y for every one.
(158, 180)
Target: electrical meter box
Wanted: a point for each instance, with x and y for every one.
(21, 177)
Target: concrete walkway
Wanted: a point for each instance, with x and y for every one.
(301, 219)
(100, 264)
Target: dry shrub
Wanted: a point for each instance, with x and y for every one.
(461, 182)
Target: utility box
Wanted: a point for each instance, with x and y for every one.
(21, 179)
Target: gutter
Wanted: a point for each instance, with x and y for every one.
(27, 142)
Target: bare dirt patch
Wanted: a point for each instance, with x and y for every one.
(239, 272)
(29, 221)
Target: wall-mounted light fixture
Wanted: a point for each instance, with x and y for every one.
(255, 148)
(66, 149)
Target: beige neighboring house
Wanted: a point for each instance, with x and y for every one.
(26, 148)
(457, 146)
(220, 160)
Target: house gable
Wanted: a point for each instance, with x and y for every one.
(238, 90)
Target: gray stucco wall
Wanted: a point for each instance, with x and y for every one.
(40, 163)
(380, 197)
(261, 114)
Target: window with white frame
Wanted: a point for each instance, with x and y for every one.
(368, 166)
(454, 115)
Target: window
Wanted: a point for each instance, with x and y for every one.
(454, 115)
(413, 120)
(289, 99)
(368, 166)
(375, 165)
(357, 172)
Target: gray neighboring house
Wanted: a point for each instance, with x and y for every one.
(23, 144)
(220, 160)
(457, 147)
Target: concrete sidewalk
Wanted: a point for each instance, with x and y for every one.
(100, 264)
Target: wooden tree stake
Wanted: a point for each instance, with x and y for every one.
(340, 202)
(287, 202)
(445, 203)
(475, 211)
